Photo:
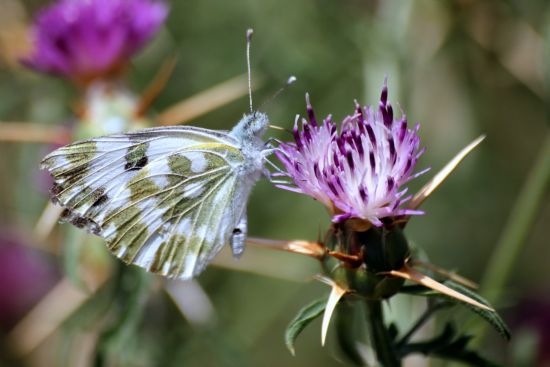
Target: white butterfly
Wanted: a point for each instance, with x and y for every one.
(166, 199)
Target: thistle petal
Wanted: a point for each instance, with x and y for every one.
(359, 171)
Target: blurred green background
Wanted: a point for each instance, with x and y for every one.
(461, 68)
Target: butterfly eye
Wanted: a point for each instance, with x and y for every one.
(258, 123)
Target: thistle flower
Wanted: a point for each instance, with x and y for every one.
(360, 171)
(27, 275)
(89, 39)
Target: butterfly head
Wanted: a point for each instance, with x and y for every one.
(253, 125)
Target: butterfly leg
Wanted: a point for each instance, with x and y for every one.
(238, 237)
(278, 173)
(270, 177)
(269, 143)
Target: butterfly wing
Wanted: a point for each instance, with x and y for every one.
(164, 198)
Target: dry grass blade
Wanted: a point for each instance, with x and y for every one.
(50, 312)
(33, 133)
(47, 221)
(312, 249)
(192, 301)
(523, 53)
(14, 31)
(206, 101)
(413, 275)
(445, 273)
(438, 179)
(336, 293)
(156, 86)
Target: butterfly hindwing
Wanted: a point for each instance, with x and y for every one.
(173, 225)
(163, 198)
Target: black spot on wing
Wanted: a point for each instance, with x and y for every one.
(56, 189)
(136, 157)
(136, 165)
(102, 199)
(80, 222)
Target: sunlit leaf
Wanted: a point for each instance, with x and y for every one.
(440, 177)
(413, 275)
(313, 249)
(336, 294)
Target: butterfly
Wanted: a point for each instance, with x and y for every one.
(167, 198)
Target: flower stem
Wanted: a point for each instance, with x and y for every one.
(420, 322)
(517, 228)
(380, 339)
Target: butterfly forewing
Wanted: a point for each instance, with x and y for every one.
(163, 198)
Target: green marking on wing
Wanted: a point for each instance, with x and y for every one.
(136, 156)
(154, 195)
(173, 230)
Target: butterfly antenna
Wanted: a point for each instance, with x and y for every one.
(249, 33)
(291, 79)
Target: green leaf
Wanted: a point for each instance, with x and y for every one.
(492, 317)
(304, 317)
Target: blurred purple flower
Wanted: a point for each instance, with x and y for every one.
(86, 39)
(25, 277)
(359, 172)
(532, 314)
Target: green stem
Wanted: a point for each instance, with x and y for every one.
(420, 322)
(517, 229)
(380, 339)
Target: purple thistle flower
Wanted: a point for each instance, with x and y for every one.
(358, 172)
(88, 39)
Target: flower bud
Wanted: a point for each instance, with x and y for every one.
(382, 249)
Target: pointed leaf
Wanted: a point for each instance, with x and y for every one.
(335, 294)
(491, 316)
(304, 317)
(440, 177)
(413, 275)
(313, 249)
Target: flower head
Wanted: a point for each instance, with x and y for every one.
(359, 171)
(88, 39)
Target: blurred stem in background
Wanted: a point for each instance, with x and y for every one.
(516, 230)
(523, 214)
